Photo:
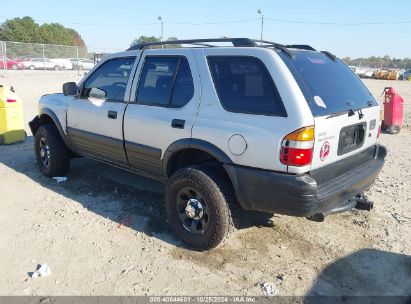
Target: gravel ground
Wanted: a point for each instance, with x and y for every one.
(103, 232)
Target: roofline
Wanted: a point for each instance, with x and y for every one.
(237, 42)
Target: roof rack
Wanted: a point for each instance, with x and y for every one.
(237, 42)
(301, 47)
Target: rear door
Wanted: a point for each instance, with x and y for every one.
(346, 115)
(94, 119)
(163, 106)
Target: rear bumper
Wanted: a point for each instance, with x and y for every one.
(324, 190)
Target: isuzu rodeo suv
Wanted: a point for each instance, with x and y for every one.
(254, 125)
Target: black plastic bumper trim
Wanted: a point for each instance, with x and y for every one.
(303, 195)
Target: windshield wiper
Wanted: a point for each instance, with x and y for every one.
(350, 113)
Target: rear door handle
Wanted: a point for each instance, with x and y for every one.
(178, 123)
(112, 114)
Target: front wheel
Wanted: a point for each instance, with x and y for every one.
(51, 152)
(201, 206)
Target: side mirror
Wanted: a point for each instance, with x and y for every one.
(97, 93)
(70, 89)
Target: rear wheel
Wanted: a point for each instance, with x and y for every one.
(14, 67)
(51, 152)
(57, 68)
(32, 67)
(200, 205)
(394, 129)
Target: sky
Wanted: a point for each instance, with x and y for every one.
(354, 28)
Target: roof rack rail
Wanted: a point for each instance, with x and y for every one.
(301, 47)
(330, 55)
(237, 42)
(283, 48)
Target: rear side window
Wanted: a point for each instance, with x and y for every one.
(244, 85)
(165, 81)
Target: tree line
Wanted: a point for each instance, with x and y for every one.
(26, 30)
(380, 62)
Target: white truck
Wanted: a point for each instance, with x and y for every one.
(268, 127)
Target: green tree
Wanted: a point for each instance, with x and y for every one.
(27, 30)
(147, 39)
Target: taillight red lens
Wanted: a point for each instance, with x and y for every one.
(296, 157)
(10, 100)
(297, 147)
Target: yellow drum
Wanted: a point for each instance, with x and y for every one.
(11, 117)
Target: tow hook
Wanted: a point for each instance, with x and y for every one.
(363, 203)
(359, 202)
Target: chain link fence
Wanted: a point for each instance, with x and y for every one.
(35, 56)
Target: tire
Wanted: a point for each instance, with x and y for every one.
(215, 193)
(394, 129)
(32, 67)
(57, 68)
(51, 152)
(14, 67)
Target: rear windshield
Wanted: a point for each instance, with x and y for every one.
(329, 86)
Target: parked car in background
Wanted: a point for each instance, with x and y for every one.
(86, 64)
(42, 64)
(74, 62)
(10, 64)
(406, 75)
(65, 63)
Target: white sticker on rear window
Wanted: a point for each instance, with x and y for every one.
(319, 101)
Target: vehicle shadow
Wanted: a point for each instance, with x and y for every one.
(123, 197)
(368, 275)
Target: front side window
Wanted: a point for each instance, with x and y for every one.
(165, 81)
(110, 79)
(244, 85)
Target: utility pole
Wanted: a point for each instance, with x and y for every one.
(262, 25)
(162, 29)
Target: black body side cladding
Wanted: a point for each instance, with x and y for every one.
(144, 157)
(98, 145)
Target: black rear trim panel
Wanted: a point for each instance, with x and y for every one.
(323, 191)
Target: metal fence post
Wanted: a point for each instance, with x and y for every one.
(5, 55)
(44, 59)
(78, 66)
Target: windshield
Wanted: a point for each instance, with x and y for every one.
(328, 86)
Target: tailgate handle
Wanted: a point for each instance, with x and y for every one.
(112, 114)
(178, 123)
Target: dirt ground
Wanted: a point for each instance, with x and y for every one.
(104, 232)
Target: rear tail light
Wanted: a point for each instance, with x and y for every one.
(10, 100)
(297, 147)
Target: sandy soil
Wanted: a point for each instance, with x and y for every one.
(103, 232)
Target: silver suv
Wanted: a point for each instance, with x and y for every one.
(257, 126)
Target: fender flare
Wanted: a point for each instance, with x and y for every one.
(193, 143)
(36, 123)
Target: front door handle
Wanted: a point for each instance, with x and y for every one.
(178, 123)
(112, 114)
